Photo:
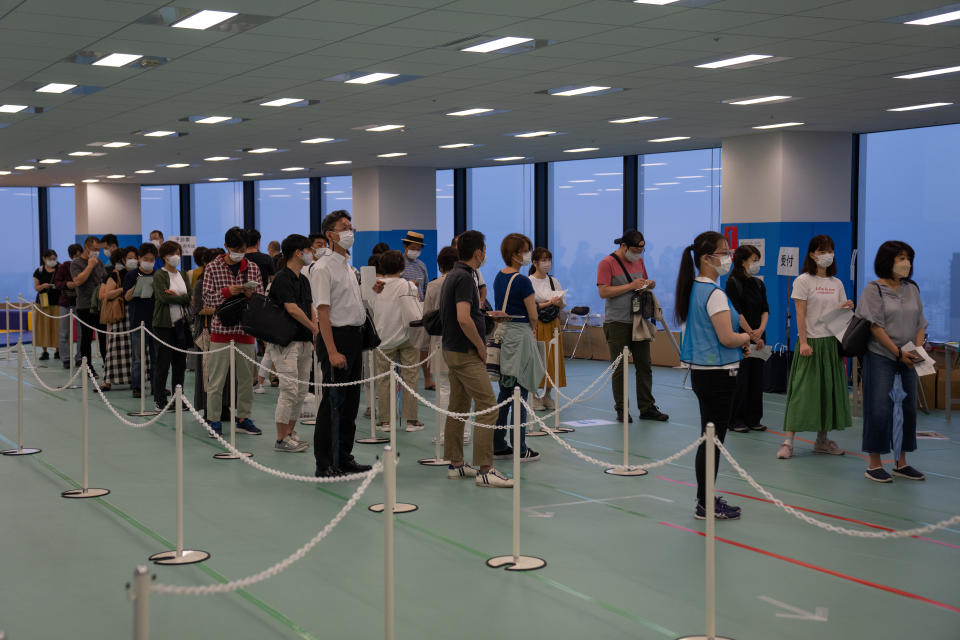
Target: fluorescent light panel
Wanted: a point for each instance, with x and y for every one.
(80, 154)
(117, 59)
(534, 134)
(262, 150)
(496, 45)
(177, 165)
(56, 87)
(579, 91)
(927, 74)
(457, 145)
(671, 139)
(116, 176)
(91, 180)
(581, 149)
(116, 145)
(4, 173)
(204, 19)
(938, 19)
(218, 179)
(159, 134)
(213, 119)
(294, 169)
(67, 184)
(730, 62)
(12, 108)
(659, 3)
(335, 162)
(254, 174)
(760, 100)
(509, 158)
(917, 107)
(392, 155)
(633, 119)
(216, 159)
(281, 102)
(779, 125)
(385, 127)
(144, 171)
(470, 112)
(24, 167)
(370, 78)
(316, 140)
(51, 161)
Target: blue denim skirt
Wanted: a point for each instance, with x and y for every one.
(878, 373)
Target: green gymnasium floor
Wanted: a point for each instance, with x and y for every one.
(624, 560)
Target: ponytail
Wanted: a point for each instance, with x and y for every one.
(704, 244)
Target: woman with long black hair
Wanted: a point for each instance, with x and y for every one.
(749, 298)
(711, 347)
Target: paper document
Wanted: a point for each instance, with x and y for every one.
(144, 287)
(837, 321)
(764, 354)
(924, 368)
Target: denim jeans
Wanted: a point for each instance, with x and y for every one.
(500, 442)
(64, 335)
(878, 373)
(150, 346)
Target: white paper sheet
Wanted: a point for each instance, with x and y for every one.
(837, 321)
(764, 354)
(924, 368)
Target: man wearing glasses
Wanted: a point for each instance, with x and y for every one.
(619, 275)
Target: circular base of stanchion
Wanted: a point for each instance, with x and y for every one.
(704, 638)
(73, 386)
(229, 455)
(372, 440)
(139, 414)
(433, 462)
(399, 507)
(521, 563)
(564, 430)
(625, 472)
(309, 421)
(85, 493)
(187, 556)
(537, 434)
(20, 452)
(546, 432)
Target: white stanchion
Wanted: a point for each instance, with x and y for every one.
(21, 306)
(70, 348)
(371, 401)
(624, 470)
(179, 556)
(315, 389)
(6, 330)
(20, 450)
(437, 460)
(515, 561)
(545, 430)
(143, 375)
(390, 500)
(711, 592)
(85, 491)
(139, 593)
(230, 455)
(398, 507)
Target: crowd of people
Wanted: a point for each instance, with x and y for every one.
(333, 317)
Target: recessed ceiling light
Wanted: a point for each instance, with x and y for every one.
(496, 45)
(51, 161)
(457, 145)
(91, 180)
(760, 100)
(117, 59)
(509, 158)
(779, 125)
(579, 91)
(659, 3)
(392, 155)
(384, 127)
(213, 119)
(218, 179)
(922, 106)
(336, 162)
(177, 165)
(670, 139)
(24, 167)
(262, 150)
(926, 74)
(938, 19)
(581, 149)
(80, 154)
(470, 112)
(116, 176)
(67, 184)
(254, 174)
(370, 78)
(116, 145)
(4, 173)
(633, 119)
(160, 134)
(144, 171)
(216, 159)
(56, 87)
(294, 169)
(534, 134)
(316, 140)
(730, 62)
(281, 102)
(203, 19)
(12, 108)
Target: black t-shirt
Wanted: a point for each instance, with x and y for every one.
(46, 277)
(140, 309)
(265, 263)
(289, 286)
(749, 298)
(459, 286)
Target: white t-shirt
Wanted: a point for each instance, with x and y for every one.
(716, 303)
(179, 287)
(541, 288)
(822, 295)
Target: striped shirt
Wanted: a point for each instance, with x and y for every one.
(416, 271)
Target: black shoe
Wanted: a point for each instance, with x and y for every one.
(136, 393)
(504, 454)
(620, 417)
(329, 472)
(56, 355)
(44, 356)
(740, 428)
(352, 466)
(653, 413)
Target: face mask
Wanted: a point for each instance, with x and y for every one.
(483, 260)
(235, 256)
(753, 268)
(307, 258)
(546, 266)
(172, 261)
(824, 260)
(346, 239)
(724, 267)
(156, 243)
(92, 254)
(633, 256)
(413, 254)
(52, 262)
(902, 269)
(146, 265)
(525, 258)
(131, 264)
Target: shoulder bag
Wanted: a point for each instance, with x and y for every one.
(112, 311)
(266, 320)
(369, 337)
(641, 302)
(549, 314)
(496, 338)
(856, 337)
(230, 311)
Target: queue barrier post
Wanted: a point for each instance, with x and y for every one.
(143, 374)
(85, 491)
(437, 460)
(390, 500)
(398, 507)
(20, 450)
(6, 330)
(21, 306)
(315, 388)
(179, 556)
(625, 470)
(70, 349)
(371, 401)
(139, 593)
(556, 372)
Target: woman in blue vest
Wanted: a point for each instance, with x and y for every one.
(711, 347)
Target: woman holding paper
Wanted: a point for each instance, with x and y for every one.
(749, 298)
(547, 295)
(893, 306)
(817, 394)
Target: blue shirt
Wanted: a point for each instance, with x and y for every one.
(521, 289)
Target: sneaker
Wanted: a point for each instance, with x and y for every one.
(721, 511)
(536, 403)
(414, 426)
(295, 436)
(620, 417)
(740, 428)
(828, 447)
(44, 356)
(384, 426)
(548, 402)
(493, 478)
(759, 427)
(653, 413)
(909, 473)
(259, 389)
(878, 475)
(217, 428)
(785, 451)
(529, 455)
(246, 426)
(506, 454)
(461, 472)
(289, 445)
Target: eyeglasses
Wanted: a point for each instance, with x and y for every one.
(722, 254)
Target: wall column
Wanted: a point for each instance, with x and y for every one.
(109, 208)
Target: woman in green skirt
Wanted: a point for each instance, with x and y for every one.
(817, 395)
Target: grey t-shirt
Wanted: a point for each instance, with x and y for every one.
(899, 313)
(97, 275)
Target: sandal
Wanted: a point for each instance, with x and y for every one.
(785, 452)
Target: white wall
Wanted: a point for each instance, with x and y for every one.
(386, 198)
(108, 208)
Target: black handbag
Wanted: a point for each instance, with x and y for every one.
(549, 314)
(369, 337)
(641, 302)
(431, 322)
(266, 320)
(230, 311)
(856, 337)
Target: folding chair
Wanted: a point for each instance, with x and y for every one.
(578, 327)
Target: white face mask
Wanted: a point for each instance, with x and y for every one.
(724, 267)
(902, 269)
(633, 256)
(172, 261)
(413, 254)
(483, 260)
(307, 258)
(546, 266)
(131, 264)
(51, 262)
(824, 260)
(146, 265)
(93, 254)
(753, 268)
(235, 256)
(346, 239)
(526, 258)
(156, 243)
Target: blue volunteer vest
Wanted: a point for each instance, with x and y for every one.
(700, 343)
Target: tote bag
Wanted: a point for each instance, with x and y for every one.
(496, 338)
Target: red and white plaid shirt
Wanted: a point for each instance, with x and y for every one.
(217, 279)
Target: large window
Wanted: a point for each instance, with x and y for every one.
(501, 202)
(909, 191)
(19, 242)
(444, 207)
(216, 208)
(160, 209)
(337, 194)
(586, 216)
(62, 220)
(680, 195)
(283, 207)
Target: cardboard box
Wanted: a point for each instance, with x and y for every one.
(928, 384)
(598, 344)
(570, 340)
(942, 388)
(662, 353)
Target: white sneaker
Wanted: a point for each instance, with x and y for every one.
(296, 438)
(384, 427)
(414, 427)
(493, 478)
(536, 403)
(259, 389)
(464, 471)
(289, 445)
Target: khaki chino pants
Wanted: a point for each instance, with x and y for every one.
(469, 383)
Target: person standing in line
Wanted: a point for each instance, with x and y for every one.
(138, 292)
(229, 275)
(619, 276)
(87, 273)
(116, 364)
(63, 282)
(45, 327)
(156, 239)
(378, 250)
(201, 329)
(893, 306)
(291, 290)
(274, 251)
(749, 297)
(109, 244)
(446, 258)
(711, 347)
(817, 393)
(172, 297)
(415, 270)
(262, 260)
(550, 301)
(465, 352)
(341, 315)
